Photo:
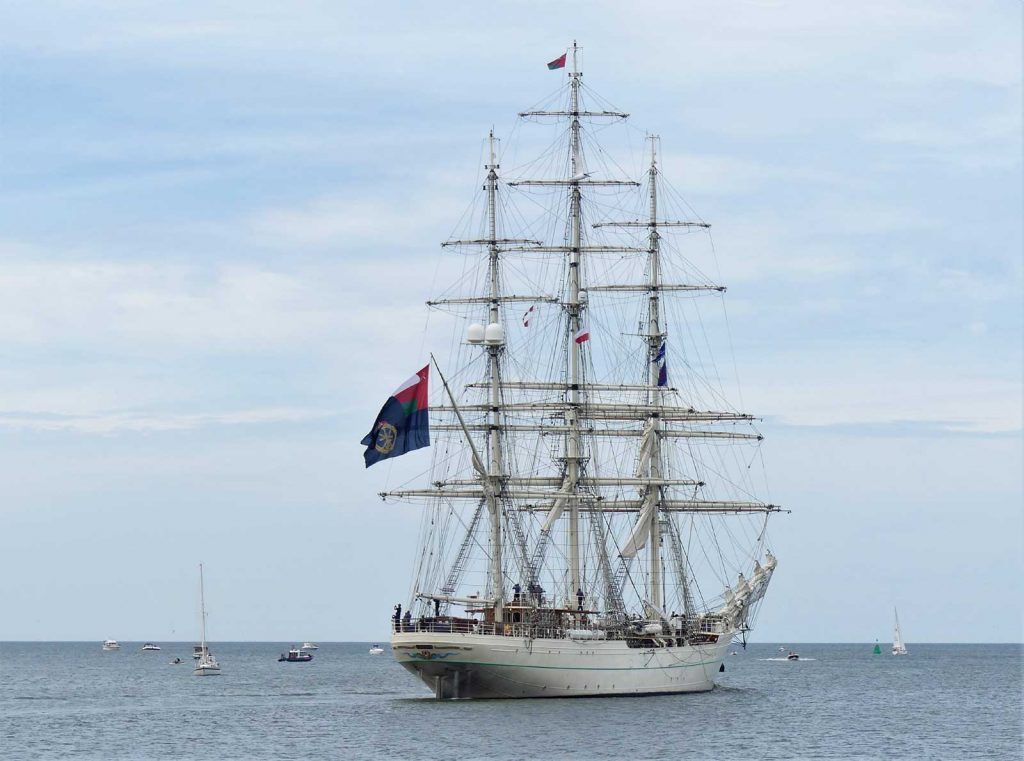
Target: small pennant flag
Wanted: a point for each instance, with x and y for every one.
(582, 335)
(662, 365)
(526, 316)
(558, 63)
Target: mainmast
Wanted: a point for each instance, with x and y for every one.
(574, 309)
(494, 466)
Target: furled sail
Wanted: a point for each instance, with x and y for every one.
(642, 528)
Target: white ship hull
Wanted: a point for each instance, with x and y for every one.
(494, 666)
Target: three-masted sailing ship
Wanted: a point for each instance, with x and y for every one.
(592, 525)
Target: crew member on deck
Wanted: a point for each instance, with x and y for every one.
(579, 599)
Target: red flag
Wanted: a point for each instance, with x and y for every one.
(526, 316)
(583, 335)
(558, 63)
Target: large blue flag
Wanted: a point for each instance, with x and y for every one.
(403, 423)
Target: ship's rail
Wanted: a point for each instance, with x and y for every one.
(637, 632)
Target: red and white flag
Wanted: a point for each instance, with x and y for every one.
(526, 316)
(582, 335)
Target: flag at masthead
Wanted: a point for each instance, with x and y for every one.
(558, 63)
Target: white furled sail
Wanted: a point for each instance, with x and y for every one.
(591, 488)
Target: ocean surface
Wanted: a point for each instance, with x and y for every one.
(72, 700)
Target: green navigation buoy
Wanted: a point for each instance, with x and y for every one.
(877, 650)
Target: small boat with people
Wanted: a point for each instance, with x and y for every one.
(111, 644)
(376, 650)
(310, 646)
(295, 655)
(793, 656)
(150, 646)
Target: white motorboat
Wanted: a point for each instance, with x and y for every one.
(111, 644)
(150, 646)
(206, 665)
(310, 646)
(376, 650)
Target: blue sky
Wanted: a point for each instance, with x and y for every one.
(218, 223)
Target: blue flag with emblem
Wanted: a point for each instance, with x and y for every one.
(659, 358)
(403, 423)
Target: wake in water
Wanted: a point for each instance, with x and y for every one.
(801, 659)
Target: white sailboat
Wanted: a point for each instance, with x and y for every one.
(624, 547)
(206, 664)
(898, 648)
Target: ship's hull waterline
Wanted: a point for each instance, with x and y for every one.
(494, 666)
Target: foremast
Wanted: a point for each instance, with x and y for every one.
(494, 473)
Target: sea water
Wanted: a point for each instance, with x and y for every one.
(72, 700)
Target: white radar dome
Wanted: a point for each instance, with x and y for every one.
(495, 334)
(475, 333)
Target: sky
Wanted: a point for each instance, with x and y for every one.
(219, 222)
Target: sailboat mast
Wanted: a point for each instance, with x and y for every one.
(575, 323)
(494, 470)
(655, 342)
(202, 610)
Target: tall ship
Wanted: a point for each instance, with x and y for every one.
(592, 523)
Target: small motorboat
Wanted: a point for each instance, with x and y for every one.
(310, 646)
(295, 655)
(782, 649)
(150, 646)
(111, 644)
(376, 650)
(793, 656)
(176, 662)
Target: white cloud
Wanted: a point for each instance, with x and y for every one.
(884, 384)
(137, 422)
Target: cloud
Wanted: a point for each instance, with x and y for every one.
(885, 384)
(346, 223)
(113, 421)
